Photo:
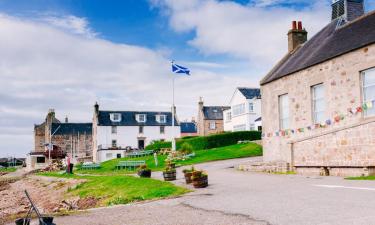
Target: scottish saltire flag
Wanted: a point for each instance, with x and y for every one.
(180, 69)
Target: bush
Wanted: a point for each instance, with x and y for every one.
(219, 140)
(186, 148)
(157, 145)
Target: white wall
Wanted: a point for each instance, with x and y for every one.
(104, 155)
(246, 118)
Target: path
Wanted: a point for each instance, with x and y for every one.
(235, 197)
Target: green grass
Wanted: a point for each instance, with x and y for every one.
(361, 178)
(201, 156)
(113, 190)
(8, 169)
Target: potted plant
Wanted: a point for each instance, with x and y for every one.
(170, 172)
(200, 179)
(143, 171)
(188, 173)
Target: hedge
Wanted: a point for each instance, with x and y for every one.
(220, 140)
(208, 142)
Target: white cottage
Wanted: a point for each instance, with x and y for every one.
(115, 131)
(245, 110)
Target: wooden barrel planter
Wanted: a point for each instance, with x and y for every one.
(144, 173)
(169, 175)
(188, 177)
(200, 182)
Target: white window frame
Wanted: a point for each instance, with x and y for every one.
(162, 129)
(365, 99)
(113, 117)
(314, 100)
(114, 129)
(141, 129)
(284, 122)
(251, 107)
(161, 118)
(238, 110)
(252, 126)
(240, 127)
(212, 125)
(114, 143)
(228, 116)
(143, 116)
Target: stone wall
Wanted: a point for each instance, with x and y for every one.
(343, 90)
(218, 124)
(79, 145)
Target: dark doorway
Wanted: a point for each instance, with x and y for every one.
(141, 144)
(118, 156)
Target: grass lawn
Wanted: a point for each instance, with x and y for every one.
(8, 169)
(201, 156)
(113, 190)
(361, 178)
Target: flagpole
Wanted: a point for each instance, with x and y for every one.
(173, 116)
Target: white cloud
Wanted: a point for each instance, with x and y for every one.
(257, 34)
(45, 66)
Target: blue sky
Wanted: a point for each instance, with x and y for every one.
(68, 54)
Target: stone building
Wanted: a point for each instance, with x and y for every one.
(71, 139)
(210, 119)
(317, 111)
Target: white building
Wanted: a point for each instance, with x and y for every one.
(114, 131)
(245, 110)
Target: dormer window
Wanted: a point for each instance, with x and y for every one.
(115, 117)
(161, 118)
(141, 118)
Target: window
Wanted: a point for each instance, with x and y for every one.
(229, 116)
(40, 160)
(284, 111)
(114, 143)
(141, 129)
(240, 127)
(238, 109)
(368, 78)
(68, 147)
(162, 129)
(212, 125)
(318, 103)
(251, 107)
(141, 118)
(115, 117)
(114, 129)
(161, 118)
(252, 126)
(118, 155)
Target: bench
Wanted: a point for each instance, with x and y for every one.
(140, 153)
(130, 164)
(91, 166)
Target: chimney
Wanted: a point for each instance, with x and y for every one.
(347, 10)
(66, 119)
(200, 103)
(296, 36)
(96, 108)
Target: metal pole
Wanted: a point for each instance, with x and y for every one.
(173, 116)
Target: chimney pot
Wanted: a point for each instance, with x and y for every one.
(294, 25)
(299, 25)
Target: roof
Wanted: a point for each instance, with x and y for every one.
(250, 93)
(128, 119)
(71, 128)
(327, 44)
(259, 119)
(214, 112)
(188, 127)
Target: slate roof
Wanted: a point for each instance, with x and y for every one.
(250, 93)
(327, 44)
(72, 128)
(188, 127)
(259, 119)
(128, 119)
(214, 112)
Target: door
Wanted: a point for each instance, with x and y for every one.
(141, 144)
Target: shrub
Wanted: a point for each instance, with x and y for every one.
(219, 140)
(157, 145)
(186, 148)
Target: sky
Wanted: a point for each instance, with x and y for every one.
(69, 54)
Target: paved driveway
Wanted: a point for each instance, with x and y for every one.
(235, 197)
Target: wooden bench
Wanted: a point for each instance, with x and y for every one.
(91, 166)
(140, 153)
(130, 164)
